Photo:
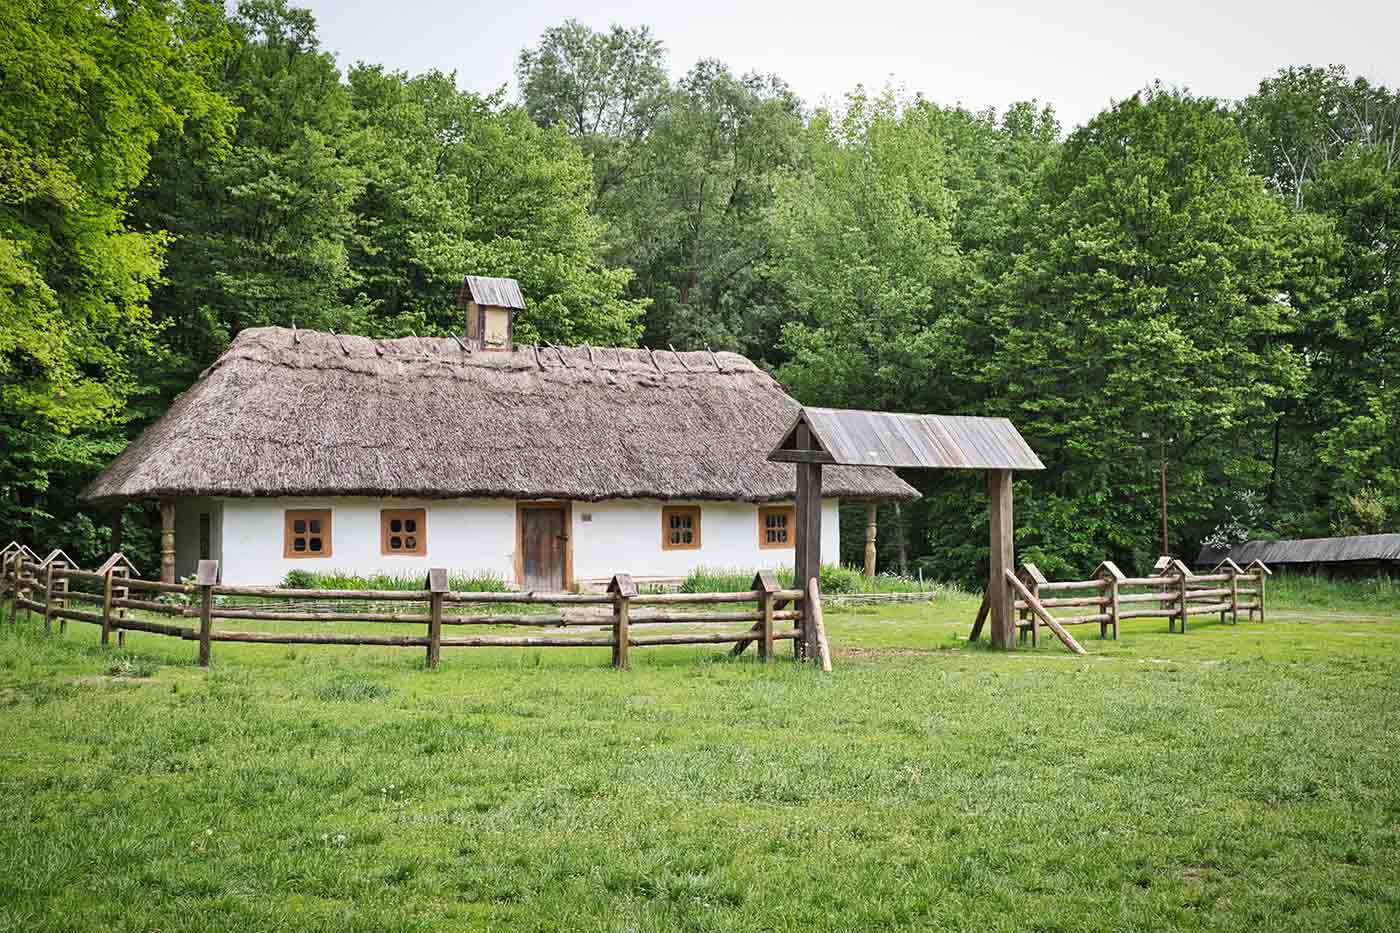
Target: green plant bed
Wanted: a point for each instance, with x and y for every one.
(458, 582)
(835, 579)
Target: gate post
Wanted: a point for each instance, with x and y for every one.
(998, 593)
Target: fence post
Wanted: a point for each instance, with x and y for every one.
(107, 606)
(14, 591)
(1181, 583)
(622, 589)
(1261, 571)
(1109, 571)
(63, 585)
(767, 584)
(205, 577)
(48, 599)
(437, 585)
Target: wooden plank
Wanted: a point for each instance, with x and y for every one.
(982, 612)
(107, 607)
(814, 608)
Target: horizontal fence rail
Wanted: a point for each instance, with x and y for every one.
(58, 590)
(1173, 593)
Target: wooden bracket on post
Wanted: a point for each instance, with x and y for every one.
(622, 589)
(1109, 571)
(206, 576)
(1261, 570)
(437, 584)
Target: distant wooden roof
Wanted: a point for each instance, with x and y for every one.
(1309, 550)
(487, 290)
(890, 439)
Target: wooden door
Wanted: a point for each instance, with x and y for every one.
(543, 548)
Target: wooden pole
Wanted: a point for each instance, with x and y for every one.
(872, 511)
(14, 592)
(998, 596)
(1112, 607)
(1166, 548)
(167, 541)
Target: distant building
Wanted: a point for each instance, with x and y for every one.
(1352, 555)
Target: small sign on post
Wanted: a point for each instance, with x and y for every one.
(437, 586)
(206, 577)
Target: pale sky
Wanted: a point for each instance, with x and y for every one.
(1075, 55)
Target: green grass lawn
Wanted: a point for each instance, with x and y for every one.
(1235, 778)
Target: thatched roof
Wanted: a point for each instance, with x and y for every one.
(287, 413)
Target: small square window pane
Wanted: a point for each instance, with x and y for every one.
(410, 543)
(315, 544)
(395, 525)
(298, 544)
(410, 525)
(396, 543)
(299, 526)
(315, 526)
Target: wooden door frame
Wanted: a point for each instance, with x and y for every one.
(567, 506)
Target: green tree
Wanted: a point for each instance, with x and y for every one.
(604, 89)
(690, 217)
(259, 227)
(458, 183)
(85, 90)
(1148, 315)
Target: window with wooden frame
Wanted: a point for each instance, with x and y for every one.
(680, 528)
(776, 524)
(403, 531)
(308, 533)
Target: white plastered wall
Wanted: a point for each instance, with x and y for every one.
(474, 535)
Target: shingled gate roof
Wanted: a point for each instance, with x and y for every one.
(290, 413)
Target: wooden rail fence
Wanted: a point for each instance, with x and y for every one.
(1173, 592)
(55, 587)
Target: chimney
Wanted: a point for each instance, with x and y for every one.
(489, 305)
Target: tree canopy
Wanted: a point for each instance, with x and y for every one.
(1183, 285)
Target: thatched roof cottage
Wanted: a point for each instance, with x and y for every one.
(549, 466)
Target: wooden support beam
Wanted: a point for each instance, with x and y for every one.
(167, 541)
(872, 511)
(982, 612)
(999, 597)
